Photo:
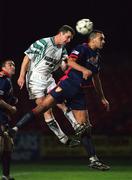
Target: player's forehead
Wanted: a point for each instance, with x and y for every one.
(101, 36)
(68, 34)
(10, 62)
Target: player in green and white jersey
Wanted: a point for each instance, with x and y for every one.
(45, 57)
(42, 58)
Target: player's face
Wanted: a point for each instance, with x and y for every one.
(9, 67)
(99, 40)
(65, 37)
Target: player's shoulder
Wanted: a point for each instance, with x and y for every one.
(47, 41)
(4, 81)
(3, 77)
(81, 46)
(43, 41)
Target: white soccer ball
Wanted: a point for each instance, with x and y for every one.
(84, 26)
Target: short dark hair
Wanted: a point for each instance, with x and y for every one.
(66, 28)
(3, 62)
(94, 33)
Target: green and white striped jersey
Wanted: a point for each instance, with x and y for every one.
(45, 56)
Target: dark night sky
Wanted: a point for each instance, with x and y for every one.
(24, 21)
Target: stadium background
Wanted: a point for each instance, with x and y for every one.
(23, 22)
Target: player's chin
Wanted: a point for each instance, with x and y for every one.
(64, 43)
(101, 47)
(13, 72)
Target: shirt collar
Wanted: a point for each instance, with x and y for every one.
(5, 73)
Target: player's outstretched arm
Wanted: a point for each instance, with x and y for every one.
(98, 86)
(7, 107)
(72, 63)
(24, 67)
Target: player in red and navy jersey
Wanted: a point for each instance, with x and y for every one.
(86, 55)
(7, 108)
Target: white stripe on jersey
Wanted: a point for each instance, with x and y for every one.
(45, 56)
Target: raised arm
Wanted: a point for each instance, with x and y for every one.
(7, 107)
(72, 63)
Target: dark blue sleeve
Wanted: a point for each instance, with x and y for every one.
(4, 87)
(77, 51)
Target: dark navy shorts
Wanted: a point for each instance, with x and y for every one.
(70, 93)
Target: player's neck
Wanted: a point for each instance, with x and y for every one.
(57, 41)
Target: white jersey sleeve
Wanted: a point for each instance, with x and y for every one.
(36, 50)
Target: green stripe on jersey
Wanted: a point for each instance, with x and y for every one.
(43, 42)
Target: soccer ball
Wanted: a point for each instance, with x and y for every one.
(84, 26)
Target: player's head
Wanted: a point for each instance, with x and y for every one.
(65, 34)
(8, 66)
(66, 28)
(96, 39)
